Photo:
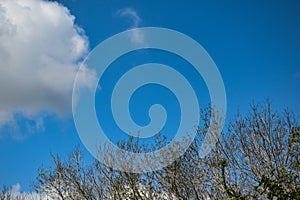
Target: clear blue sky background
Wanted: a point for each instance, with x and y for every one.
(255, 44)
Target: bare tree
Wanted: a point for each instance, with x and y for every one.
(13, 193)
(259, 147)
(256, 157)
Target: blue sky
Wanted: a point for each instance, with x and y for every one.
(256, 46)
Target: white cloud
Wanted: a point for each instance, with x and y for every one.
(15, 193)
(40, 51)
(137, 35)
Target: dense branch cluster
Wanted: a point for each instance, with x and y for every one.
(256, 157)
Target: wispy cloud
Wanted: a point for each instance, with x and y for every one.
(131, 14)
(297, 75)
(136, 36)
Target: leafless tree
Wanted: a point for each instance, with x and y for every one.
(256, 157)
